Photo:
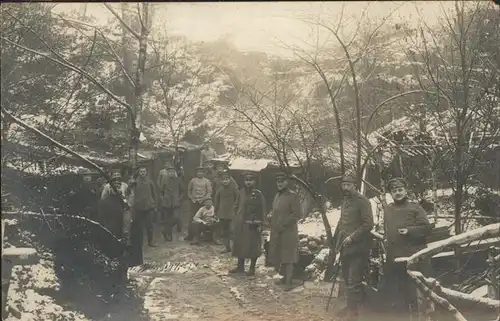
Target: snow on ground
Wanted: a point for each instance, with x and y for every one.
(24, 293)
(313, 225)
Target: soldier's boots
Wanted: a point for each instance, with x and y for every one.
(280, 281)
(167, 235)
(351, 316)
(251, 271)
(342, 312)
(240, 268)
(288, 277)
(348, 314)
(196, 240)
(227, 246)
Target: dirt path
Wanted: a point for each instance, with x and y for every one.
(197, 287)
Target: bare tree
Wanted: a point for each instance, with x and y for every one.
(336, 80)
(133, 106)
(135, 101)
(184, 87)
(453, 63)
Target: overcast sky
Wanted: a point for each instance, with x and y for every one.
(256, 26)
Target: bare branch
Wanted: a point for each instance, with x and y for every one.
(69, 65)
(129, 28)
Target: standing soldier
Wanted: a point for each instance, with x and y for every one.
(86, 198)
(171, 192)
(217, 180)
(207, 154)
(353, 240)
(284, 242)
(199, 189)
(145, 203)
(406, 227)
(112, 208)
(247, 223)
(225, 202)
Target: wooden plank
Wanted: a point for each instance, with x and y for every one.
(20, 256)
(3, 233)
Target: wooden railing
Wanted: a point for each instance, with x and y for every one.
(433, 290)
(12, 256)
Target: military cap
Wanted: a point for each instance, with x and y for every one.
(200, 168)
(249, 174)
(115, 171)
(281, 175)
(396, 182)
(170, 167)
(225, 173)
(348, 178)
(205, 200)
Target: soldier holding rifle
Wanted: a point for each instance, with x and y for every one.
(353, 240)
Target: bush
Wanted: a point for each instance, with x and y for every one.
(487, 203)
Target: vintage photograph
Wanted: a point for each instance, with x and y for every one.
(250, 161)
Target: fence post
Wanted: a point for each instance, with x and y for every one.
(3, 233)
(493, 287)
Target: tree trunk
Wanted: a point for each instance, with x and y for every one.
(434, 194)
(130, 93)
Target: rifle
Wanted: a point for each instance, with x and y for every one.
(336, 267)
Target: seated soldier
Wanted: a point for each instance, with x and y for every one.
(204, 220)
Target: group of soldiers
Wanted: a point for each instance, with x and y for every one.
(405, 229)
(236, 217)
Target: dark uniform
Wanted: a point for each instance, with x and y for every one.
(356, 222)
(247, 223)
(85, 200)
(411, 216)
(145, 205)
(225, 203)
(111, 209)
(284, 241)
(171, 192)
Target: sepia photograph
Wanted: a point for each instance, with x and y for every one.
(250, 161)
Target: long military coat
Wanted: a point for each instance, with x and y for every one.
(410, 216)
(111, 209)
(171, 190)
(225, 201)
(284, 241)
(413, 217)
(356, 221)
(247, 240)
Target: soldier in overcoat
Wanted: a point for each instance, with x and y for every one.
(145, 203)
(247, 225)
(225, 203)
(406, 227)
(171, 191)
(284, 241)
(111, 209)
(354, 241)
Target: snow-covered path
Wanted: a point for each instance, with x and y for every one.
(204, 291)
